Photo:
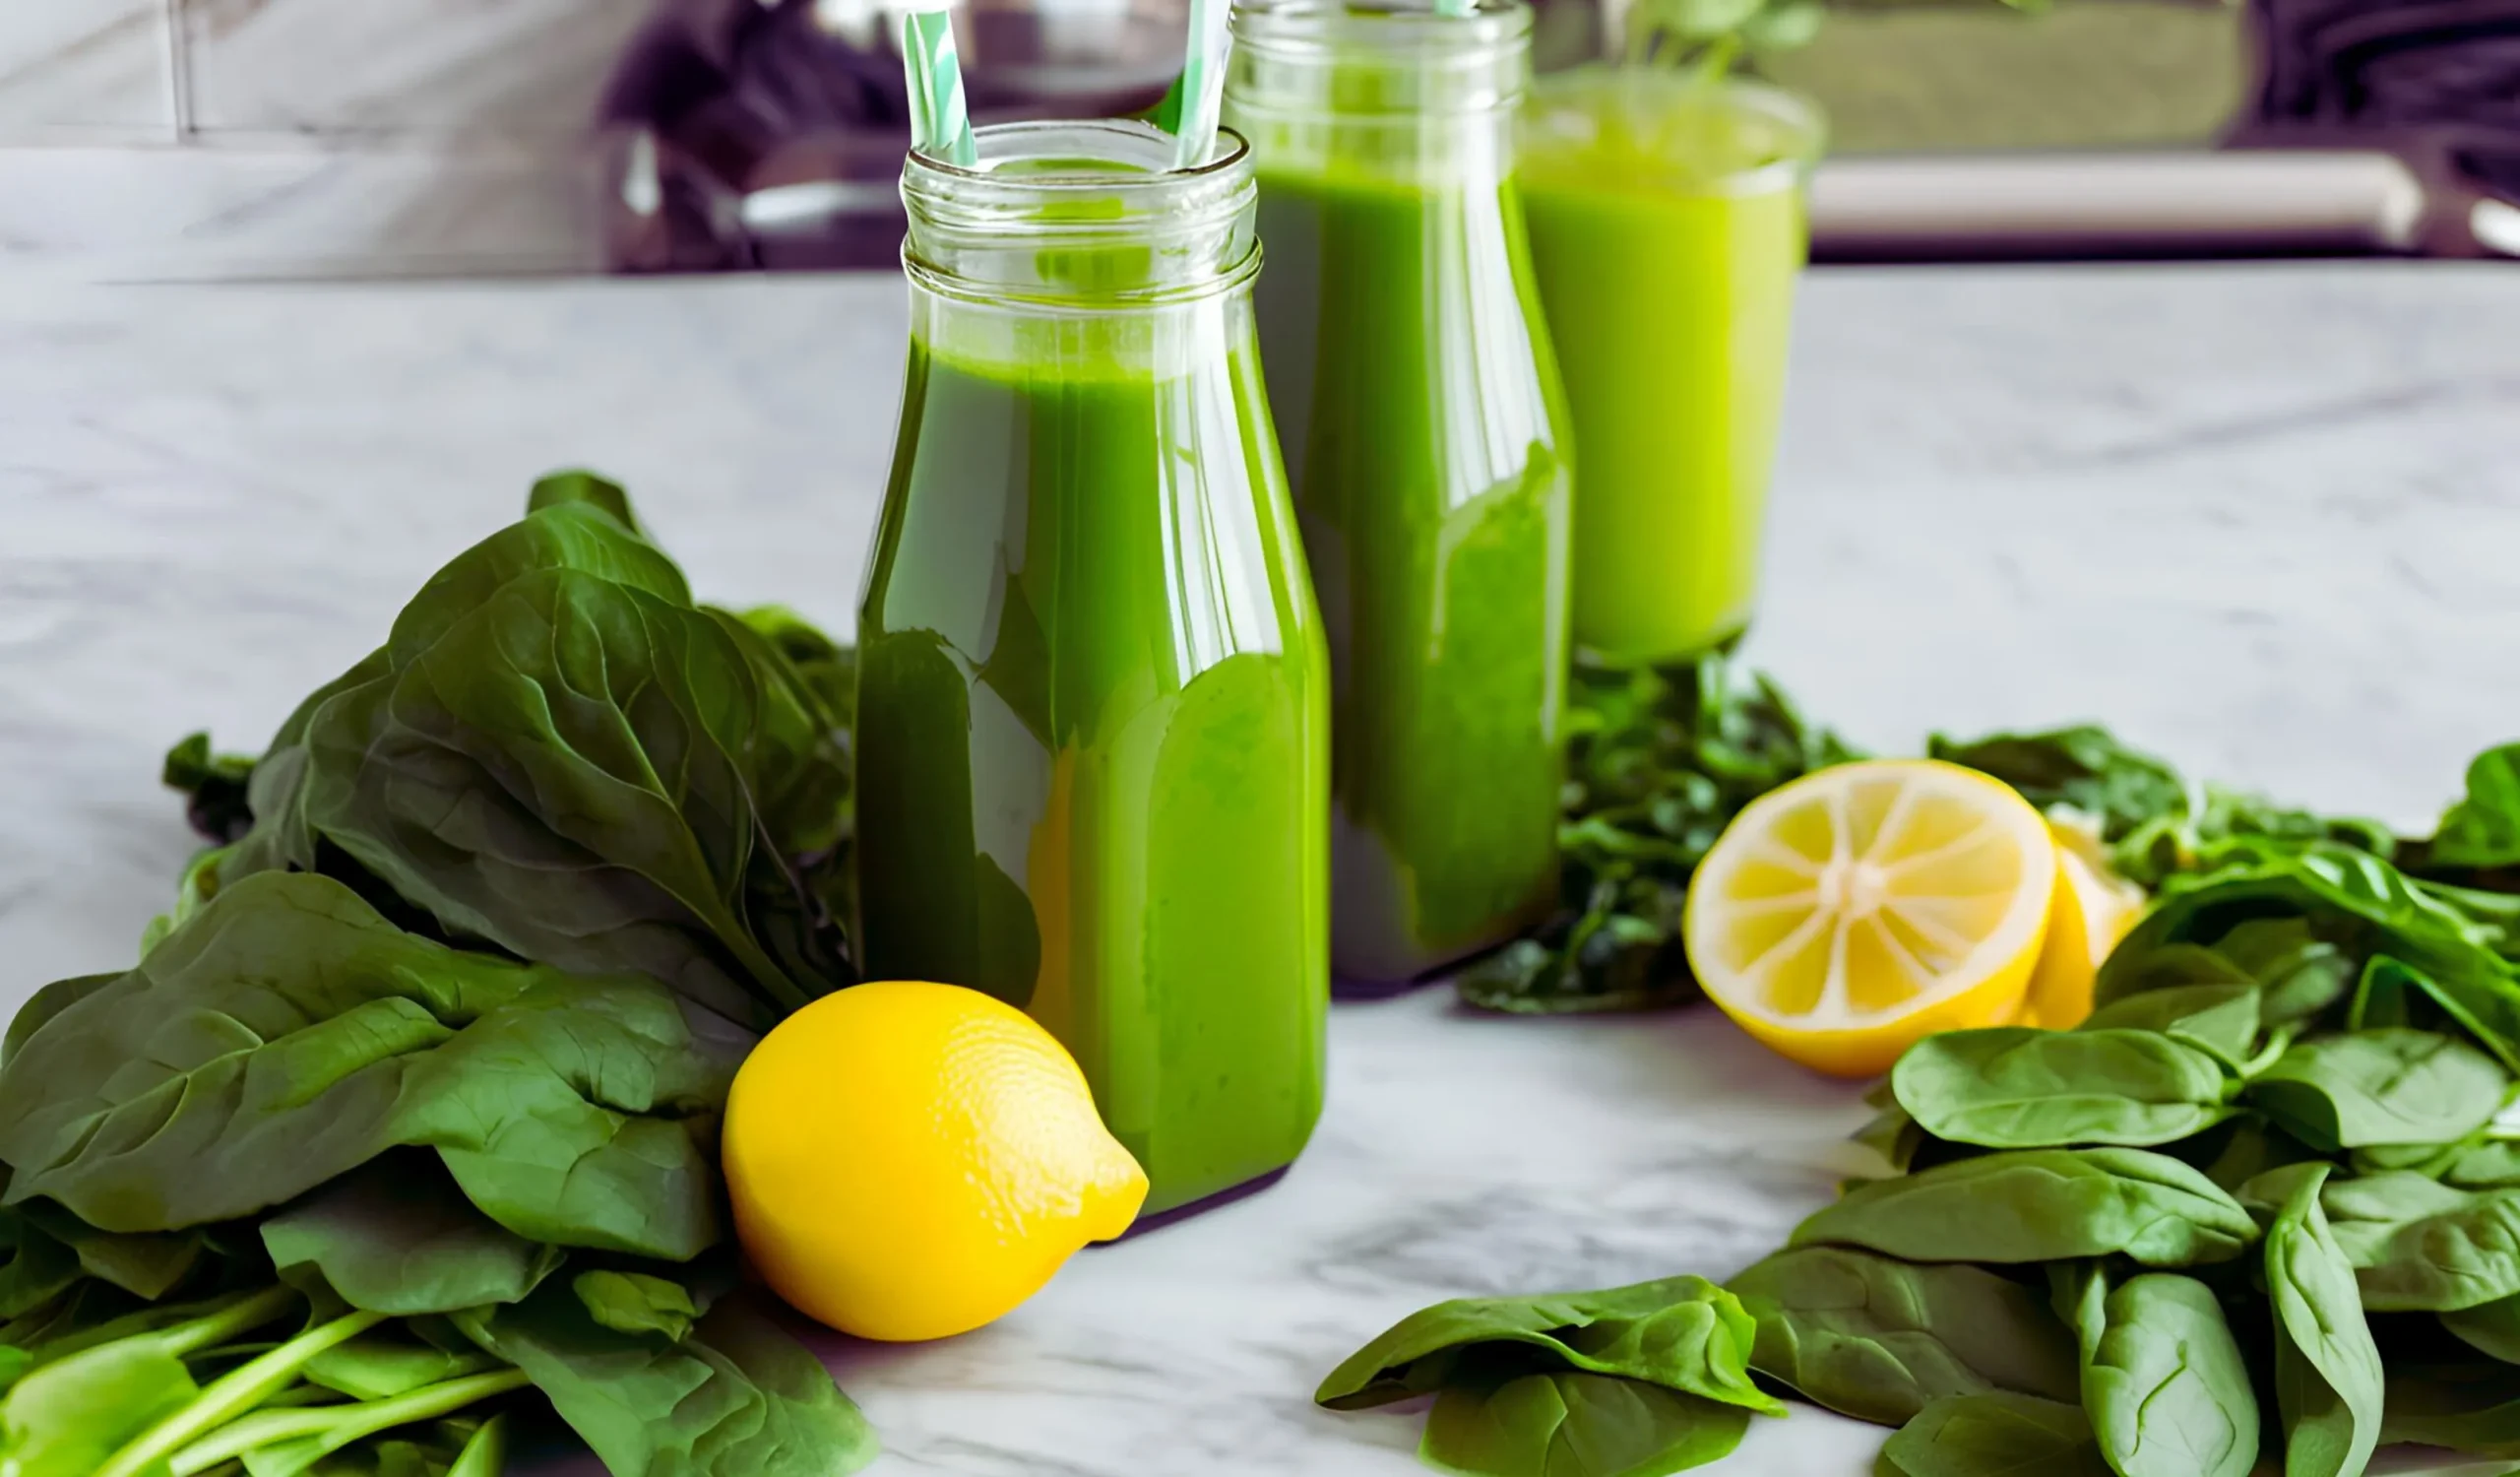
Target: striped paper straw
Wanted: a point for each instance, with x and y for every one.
(941, 122)
(1202, 85)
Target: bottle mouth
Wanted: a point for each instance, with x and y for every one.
(1368, 56)
(1079, 212)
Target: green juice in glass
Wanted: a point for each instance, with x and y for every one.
(1668, 227)
(1419, 410)
(1093, 712)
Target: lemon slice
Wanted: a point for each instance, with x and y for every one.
(2094, 909)
(1843, 916)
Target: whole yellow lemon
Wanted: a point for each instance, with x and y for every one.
(910, 1161)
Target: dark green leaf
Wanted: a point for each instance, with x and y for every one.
(2327, 1369)
(2381, 1087)
(577, 486)
(636, 1303)
(1570, 1424)
(2482, 830)
(2018, 1087)
(1684, 1334)
(2041, 1205)
(2084, 767)
(289, 1035)
(397, 1236)
(1999, 1433)
(2164, 1381)
(145, 1265)
(557, 753)
(1879, 1339)
(738, 1396)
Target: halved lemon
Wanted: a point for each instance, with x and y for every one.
(1843, 916)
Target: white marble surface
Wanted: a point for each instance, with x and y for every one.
(2267, 520)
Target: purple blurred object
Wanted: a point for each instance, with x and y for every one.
(742, 134)
(2436, 81)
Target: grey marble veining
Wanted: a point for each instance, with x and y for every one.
(85, 68)
(2261, 518)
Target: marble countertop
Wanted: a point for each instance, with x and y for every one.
(2264, 519)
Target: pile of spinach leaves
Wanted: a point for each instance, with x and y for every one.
(1659, 760)
(404, 1127)
(2264, 1202)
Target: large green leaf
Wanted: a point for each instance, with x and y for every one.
(2032, 1206)
(289, 1034)
(1996, 1434)
(1684, 1333)
(2327, 1369)
(1570, 1424)
(2164, 1381)
(397, 1236)
(2384, 1086)
(2015, 1087)
(1880, 1339)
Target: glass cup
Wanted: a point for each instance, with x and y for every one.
(1667, 227)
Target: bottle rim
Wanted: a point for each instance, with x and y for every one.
(1097, 191)
(1286, 52)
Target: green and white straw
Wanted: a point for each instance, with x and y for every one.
(940, 121)
(1202, 85)
(1458, 10)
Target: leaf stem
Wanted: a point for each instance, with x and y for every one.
(232, 1393)
(336, 1426)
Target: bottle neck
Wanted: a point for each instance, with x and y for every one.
(1319, 86)
(1070, 217)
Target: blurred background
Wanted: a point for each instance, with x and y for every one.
(280, 138)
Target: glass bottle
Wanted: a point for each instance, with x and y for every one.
(1092, 772)
(1418, 406)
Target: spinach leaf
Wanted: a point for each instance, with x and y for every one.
(2327, 1369)
(1880, 1339)
(2164, 1381)
(2482, 830)
(1997, 1434)
(396, 1235)
(1684, 1333)
(2220, 1019)
(2473, 1408)
(636, 1303)
(737, 1396)
(1571, 1424)
(2012, 1087)
(2381, 1087)
(289, 1034)
(2456, 1258)
(557, 753)
(2031, 1205)
(2086, 767)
